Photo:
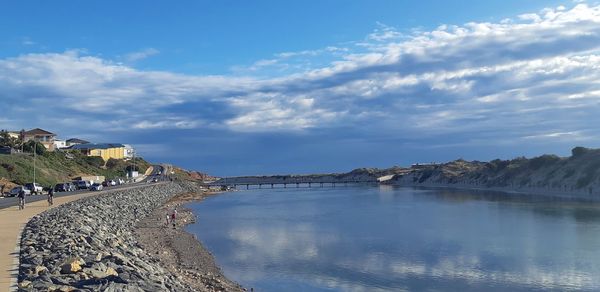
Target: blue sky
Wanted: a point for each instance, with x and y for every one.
(265, 87)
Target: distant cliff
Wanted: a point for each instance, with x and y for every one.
(577, 175)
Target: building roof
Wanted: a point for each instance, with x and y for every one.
(77, 141)
(96, 146)
(38, 131)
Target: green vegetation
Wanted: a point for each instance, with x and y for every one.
(544, 160)
(54, 167)
(7, 140)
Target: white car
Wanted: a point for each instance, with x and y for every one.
(15, 191)
(96, 187)
(34, 188)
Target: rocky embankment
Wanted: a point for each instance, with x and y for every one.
(89, 245)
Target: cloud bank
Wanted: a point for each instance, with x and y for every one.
(530, 78)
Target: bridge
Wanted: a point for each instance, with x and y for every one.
(297, 183)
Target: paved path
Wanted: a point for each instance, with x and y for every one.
(12, 222)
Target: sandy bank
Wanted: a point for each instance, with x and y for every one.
(179, 251)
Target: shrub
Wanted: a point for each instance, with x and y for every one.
(31, 145)
(112, 163)
(95, 161)
(544, 160)
(8, 167)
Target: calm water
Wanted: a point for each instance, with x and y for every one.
(384, 238)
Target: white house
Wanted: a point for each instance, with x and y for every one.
(129, 151)
(59, 144)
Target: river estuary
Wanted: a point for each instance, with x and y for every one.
(371, 238)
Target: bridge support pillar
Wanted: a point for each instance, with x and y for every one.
(309, 185)
(271, 185)
(297, 185)
(285, 186)
(260, 186)
(247, 187)
(321, 184)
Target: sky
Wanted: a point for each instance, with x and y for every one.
(274, 87)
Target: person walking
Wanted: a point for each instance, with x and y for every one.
(21, 196)
(168, 216)
(173, 217)
(50, 196)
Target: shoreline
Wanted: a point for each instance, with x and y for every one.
(541, 192)
(179, 251)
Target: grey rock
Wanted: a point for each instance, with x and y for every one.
(97, 232)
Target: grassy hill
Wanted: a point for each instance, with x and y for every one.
(577, 174)
(54, 167)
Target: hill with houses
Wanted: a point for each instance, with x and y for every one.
(38, 155)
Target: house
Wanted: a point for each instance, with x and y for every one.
(129, 151)
(14, 134)
(104, 150)
(39, 135)
(59, 144)
(75, 141)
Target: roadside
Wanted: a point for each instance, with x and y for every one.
(179, 251)
(12, 222)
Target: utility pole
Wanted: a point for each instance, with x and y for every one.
(34, 156)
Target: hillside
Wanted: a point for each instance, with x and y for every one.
(576, 175)
(54, 167)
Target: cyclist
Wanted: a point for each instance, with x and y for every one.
(21, 196)
(51, 197)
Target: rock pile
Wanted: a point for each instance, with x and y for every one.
(89, 245)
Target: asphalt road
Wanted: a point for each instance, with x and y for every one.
(158, 172)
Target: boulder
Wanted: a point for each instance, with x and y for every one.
(71, 267)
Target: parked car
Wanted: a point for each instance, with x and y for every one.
(82, 184)
(72, 186)
(61, 187)
(35, 188)
(109, 183)
(96, 187)
(15, 191)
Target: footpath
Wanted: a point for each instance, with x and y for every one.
(12, 222)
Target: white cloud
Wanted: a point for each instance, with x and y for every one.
(140, 55)
(533, 74)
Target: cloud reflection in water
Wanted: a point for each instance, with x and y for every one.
(366, 239)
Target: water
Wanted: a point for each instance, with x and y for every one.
(395, 239)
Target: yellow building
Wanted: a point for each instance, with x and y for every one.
(104, 150)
